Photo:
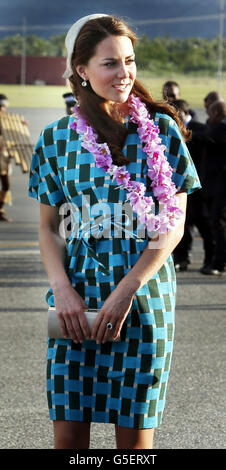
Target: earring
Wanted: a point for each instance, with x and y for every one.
(84, 83)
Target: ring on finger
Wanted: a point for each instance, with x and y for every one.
(109, 326)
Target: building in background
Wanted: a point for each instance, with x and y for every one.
(39, 70)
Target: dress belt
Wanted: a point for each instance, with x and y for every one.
(81, 238)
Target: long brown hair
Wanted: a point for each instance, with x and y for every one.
(108, 129)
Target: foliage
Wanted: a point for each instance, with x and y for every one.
(178, 55)
(35, 45)
(159, 55)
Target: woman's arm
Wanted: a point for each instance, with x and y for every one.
(152, 259)
(118, 304)
(68, 303)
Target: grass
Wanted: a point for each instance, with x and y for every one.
(193, 90)
(34, 96)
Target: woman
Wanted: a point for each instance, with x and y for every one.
(96, 158)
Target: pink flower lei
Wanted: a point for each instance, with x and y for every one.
(159, 170)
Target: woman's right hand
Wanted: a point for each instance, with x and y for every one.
(69, 304)
(70, 309)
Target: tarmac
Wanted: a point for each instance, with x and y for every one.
(194, 416)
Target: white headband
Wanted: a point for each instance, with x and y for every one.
(72, 36)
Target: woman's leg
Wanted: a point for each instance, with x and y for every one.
(127, 438)
(71, 435)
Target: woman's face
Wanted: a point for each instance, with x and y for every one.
(112, 70)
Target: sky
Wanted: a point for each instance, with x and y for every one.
(63, 13)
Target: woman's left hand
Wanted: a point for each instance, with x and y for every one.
(113, 312)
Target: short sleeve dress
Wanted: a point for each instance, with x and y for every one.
(117, 382)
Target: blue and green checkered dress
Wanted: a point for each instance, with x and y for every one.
(121, 382)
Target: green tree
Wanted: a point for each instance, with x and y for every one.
(158, 55)
(36, 46)
(12, 45)
(57, 45)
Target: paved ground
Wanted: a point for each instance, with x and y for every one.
(194, 416)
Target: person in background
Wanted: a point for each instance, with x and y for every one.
(210, 99)
(69, 103)
(5, 168)
(197, 214)
(171, 92)
(215, 183)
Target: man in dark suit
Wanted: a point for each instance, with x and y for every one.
(197, 214)
(215, 183)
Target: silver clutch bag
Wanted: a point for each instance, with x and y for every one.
(54, 330)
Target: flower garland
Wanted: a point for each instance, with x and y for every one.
(159, 170)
